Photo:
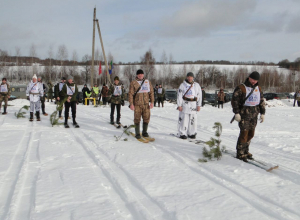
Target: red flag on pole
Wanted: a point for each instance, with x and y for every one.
(100, 70)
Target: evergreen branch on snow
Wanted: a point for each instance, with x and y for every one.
(126, 131)
(21, 114)
(54, 119)
(214, 144)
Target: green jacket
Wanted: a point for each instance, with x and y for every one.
(70, 87)
(162, 94)
(116, 99)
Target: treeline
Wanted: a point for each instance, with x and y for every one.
(290, 65)
(166, 73)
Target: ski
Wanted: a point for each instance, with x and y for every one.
(116, 125)
(124, 126)
(76, 125)
(261, 164)
(141, 139)
(149, 138)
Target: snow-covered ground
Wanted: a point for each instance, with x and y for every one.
(56, 173)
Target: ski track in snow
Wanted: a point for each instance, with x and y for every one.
(133, 198)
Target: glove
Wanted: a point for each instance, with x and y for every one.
(28, 98)
(262, 118)
(122, 102)
(237, 117)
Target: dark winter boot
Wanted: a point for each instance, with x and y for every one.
(38, 116)
(4, 112)
(31, 116)
(66, 123)
(240, 152)
(145, 128)
(44, 113)
(192, 136)
(162, 104)
(137, 131)
(183, 137)
(247, 153)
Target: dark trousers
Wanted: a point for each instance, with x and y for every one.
(160, 100)
(298, 102)
(104, 100)
(112, 112)
(67, 109)
(43, 104)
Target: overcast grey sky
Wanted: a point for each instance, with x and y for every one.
(234, 30)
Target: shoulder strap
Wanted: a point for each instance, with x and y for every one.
(70, 88)
(139, 87)
(248, 94)
(188, 90)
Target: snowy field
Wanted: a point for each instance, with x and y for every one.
(53, 173)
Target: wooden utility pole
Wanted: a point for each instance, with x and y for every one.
(106, 66)
(93, 49)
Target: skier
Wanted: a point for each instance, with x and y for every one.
(84, 90)
(189, 100)
(39, 79)
(104, 94)
(4, 95)
(160, 95)
(247, 102)
(59, 95)
(70, 91)
(34, 92)
(116, 91)
(95, 92)
(221, 98)
(50, 91)
(139, 95)
(203, 96)
(155, 94)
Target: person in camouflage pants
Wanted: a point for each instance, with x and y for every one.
(139, 102)
(4, 95)
(117, 92)
(246, 112)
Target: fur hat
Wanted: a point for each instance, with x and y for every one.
(4, 79)
(63, 78)
(254, 75)
(34, 77)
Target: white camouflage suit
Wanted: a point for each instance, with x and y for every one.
(187, 123)
(35, 91)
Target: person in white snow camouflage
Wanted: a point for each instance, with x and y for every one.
(189, 100)
(34, 93)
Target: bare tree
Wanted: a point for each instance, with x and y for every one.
(129, 73)
(32, 54)
(86, 59)
(62, 54)
(147, 64)
(49, 70)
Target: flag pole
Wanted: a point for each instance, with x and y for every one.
(93, 49)
(105, 61)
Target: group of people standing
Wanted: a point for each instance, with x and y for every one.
(247, 103)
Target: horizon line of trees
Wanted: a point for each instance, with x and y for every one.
(272, 79)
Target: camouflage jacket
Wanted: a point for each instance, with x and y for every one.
(140, 98)
(238, 99)
(8, 90)
(116, 99)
